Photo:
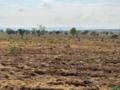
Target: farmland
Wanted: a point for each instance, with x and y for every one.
(60, 63)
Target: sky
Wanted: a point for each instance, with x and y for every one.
(63, 13)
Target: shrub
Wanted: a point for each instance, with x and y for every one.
(116, 88)
(115, 36)
(12, 49)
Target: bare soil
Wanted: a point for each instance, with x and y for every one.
(65, 64)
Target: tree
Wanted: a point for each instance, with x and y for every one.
(94, 33)
(73, 31)
(85, 32)
(33, 31)
(42, 30)
(38, 32)
(10, 31)
(58, 32)
(21, 32)
(105, 33)
(1, 30)
(26, 31)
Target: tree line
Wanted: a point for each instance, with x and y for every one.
(42, 31)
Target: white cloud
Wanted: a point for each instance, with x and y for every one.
(52, 12)
(47, 1)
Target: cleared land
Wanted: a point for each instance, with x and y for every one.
(60, 64)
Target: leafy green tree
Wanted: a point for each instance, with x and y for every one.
(73, 31)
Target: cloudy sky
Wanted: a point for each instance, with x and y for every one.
(79, 13)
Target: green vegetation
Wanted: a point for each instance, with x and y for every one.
(115, 36)
(73, 31)
(12, 49)
(10, 31)
(41, 31)
(85, 32)
(21, 32)
(116, 88)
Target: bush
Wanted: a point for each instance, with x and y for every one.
(115, 36)
(116, 88)
(12, 49)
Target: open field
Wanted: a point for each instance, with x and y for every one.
(60, 64)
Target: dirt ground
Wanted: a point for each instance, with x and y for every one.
(64, 64)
